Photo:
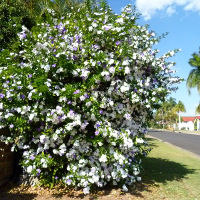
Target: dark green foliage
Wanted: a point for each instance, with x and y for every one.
(12, 16)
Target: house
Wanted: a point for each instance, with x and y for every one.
(190, 123)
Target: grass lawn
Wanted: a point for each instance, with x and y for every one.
(169, 174)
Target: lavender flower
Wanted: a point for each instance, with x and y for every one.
(77, 91)
(117, 43)
(96, 132)
(2, 95)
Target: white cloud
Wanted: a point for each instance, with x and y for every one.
(170, 10)
(148, 8)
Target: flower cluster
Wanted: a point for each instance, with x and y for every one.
(77, 95)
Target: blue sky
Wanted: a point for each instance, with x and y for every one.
(181, 19)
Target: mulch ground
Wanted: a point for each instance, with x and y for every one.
(21, 192)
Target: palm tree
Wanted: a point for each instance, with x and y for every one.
(193, 79)
(197, 109)
(179, 108)
(166, 113)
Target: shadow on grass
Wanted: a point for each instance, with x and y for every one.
(151, 141)
(161, 170)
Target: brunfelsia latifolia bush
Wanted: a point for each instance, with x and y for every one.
(77, 93)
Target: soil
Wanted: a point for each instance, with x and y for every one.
(21, 192)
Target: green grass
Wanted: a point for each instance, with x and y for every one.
(170, 173)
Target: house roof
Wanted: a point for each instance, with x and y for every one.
(188, 119)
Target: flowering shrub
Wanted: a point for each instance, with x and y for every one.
(77, 94)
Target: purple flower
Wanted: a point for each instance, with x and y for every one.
(69, 102)
(101, 111)
(30, 76)
(54, 50)
(54, 65)
(56, 177)
(77, 37)
(74, 156)
(75, 57)
(11, 126)
(49, 156)
(86, 96)
(97, 125)
(32, 157)
(62, 17)
(107, 28)
(77, 91)
(75, 48)
(22, 96)
(96, 132)
(2, 95)
(117, 43)
(96, 46)
(68, 181)
(23, 35)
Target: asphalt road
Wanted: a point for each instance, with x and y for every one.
(186, 141)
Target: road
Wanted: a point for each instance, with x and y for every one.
(186, 141)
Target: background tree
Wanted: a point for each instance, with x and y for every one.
(166, 114)
(179, 108)
(193, 80)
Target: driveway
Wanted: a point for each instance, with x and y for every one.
(186, 141)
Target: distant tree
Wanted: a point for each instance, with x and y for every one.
(179, 108)
(166, 114)
(193, 80)
(197, 109)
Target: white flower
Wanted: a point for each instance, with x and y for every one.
(125, 87)
(120, 20)
(127, 70)
(111, 61)
(139, 140)
(42, 138)
(86, 190)
(112, 70)
(29, 169)
(103, 158)
(125, 62)
(124, 188)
